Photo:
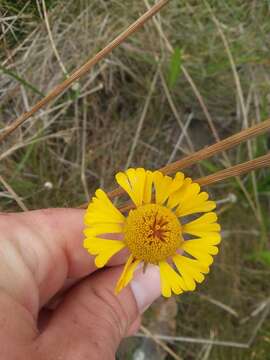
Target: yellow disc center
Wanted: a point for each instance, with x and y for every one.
(152, 233)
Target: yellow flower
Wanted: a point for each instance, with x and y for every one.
(152, 232)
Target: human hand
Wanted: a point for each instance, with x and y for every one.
(41, 255)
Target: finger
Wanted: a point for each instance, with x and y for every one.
(134, 327)
(39, 251)
(95, 319)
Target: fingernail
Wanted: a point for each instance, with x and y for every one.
(146, 287)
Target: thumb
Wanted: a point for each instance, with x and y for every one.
(91, 321)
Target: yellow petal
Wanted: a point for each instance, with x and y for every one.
(206, 218)
(202, 197)
(176, 197)
(207, 206)
(103, 248)
(137, 183)
(212, 238)
(101, 209)
(147, 197)
(170, 280)
(177, 182)
(161, 183)
(203, 246)
(188, 198)
(165, 284)
(96, 217)
(188, 279)
(127, 274)
(122, 180)
(133, 181)
(204, 258)
(203, 225)
(97, 244)
(102, 258)
(191, 192)
(195, 203)
(191, 270)
(202, 231)
(103, 228)
(179, 177)
(192, 263)
(165, 186)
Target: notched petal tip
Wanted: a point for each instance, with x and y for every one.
(100, 262)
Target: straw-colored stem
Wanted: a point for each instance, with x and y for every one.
(54, 48)
(13, 194)
(210, 151)
(237, 170)
(160, 343)
(207, 152)
(254, 164)
(260, 162)
(207, 116)
(85, 68)
(222, 145)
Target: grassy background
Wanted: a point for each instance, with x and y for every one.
(130, 110)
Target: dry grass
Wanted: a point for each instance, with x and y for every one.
(118, 115)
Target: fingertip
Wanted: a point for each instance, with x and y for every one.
(146, 287)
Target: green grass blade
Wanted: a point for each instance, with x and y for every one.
(175, 67)
(20, 80)
(261, 256)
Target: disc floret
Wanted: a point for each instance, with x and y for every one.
(152, 233)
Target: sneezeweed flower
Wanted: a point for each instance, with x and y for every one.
(158, 231)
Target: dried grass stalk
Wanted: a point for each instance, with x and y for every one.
(214, 149)
(205, 153)
(251, 165)
(260, 162)
(161, 343)
(84, 68)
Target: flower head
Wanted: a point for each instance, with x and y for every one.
(158, 230)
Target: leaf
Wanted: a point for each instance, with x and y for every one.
(262, 257)
(210, 166)
(261, 145)
(175, 67)
(264, 185)
(20, 80)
